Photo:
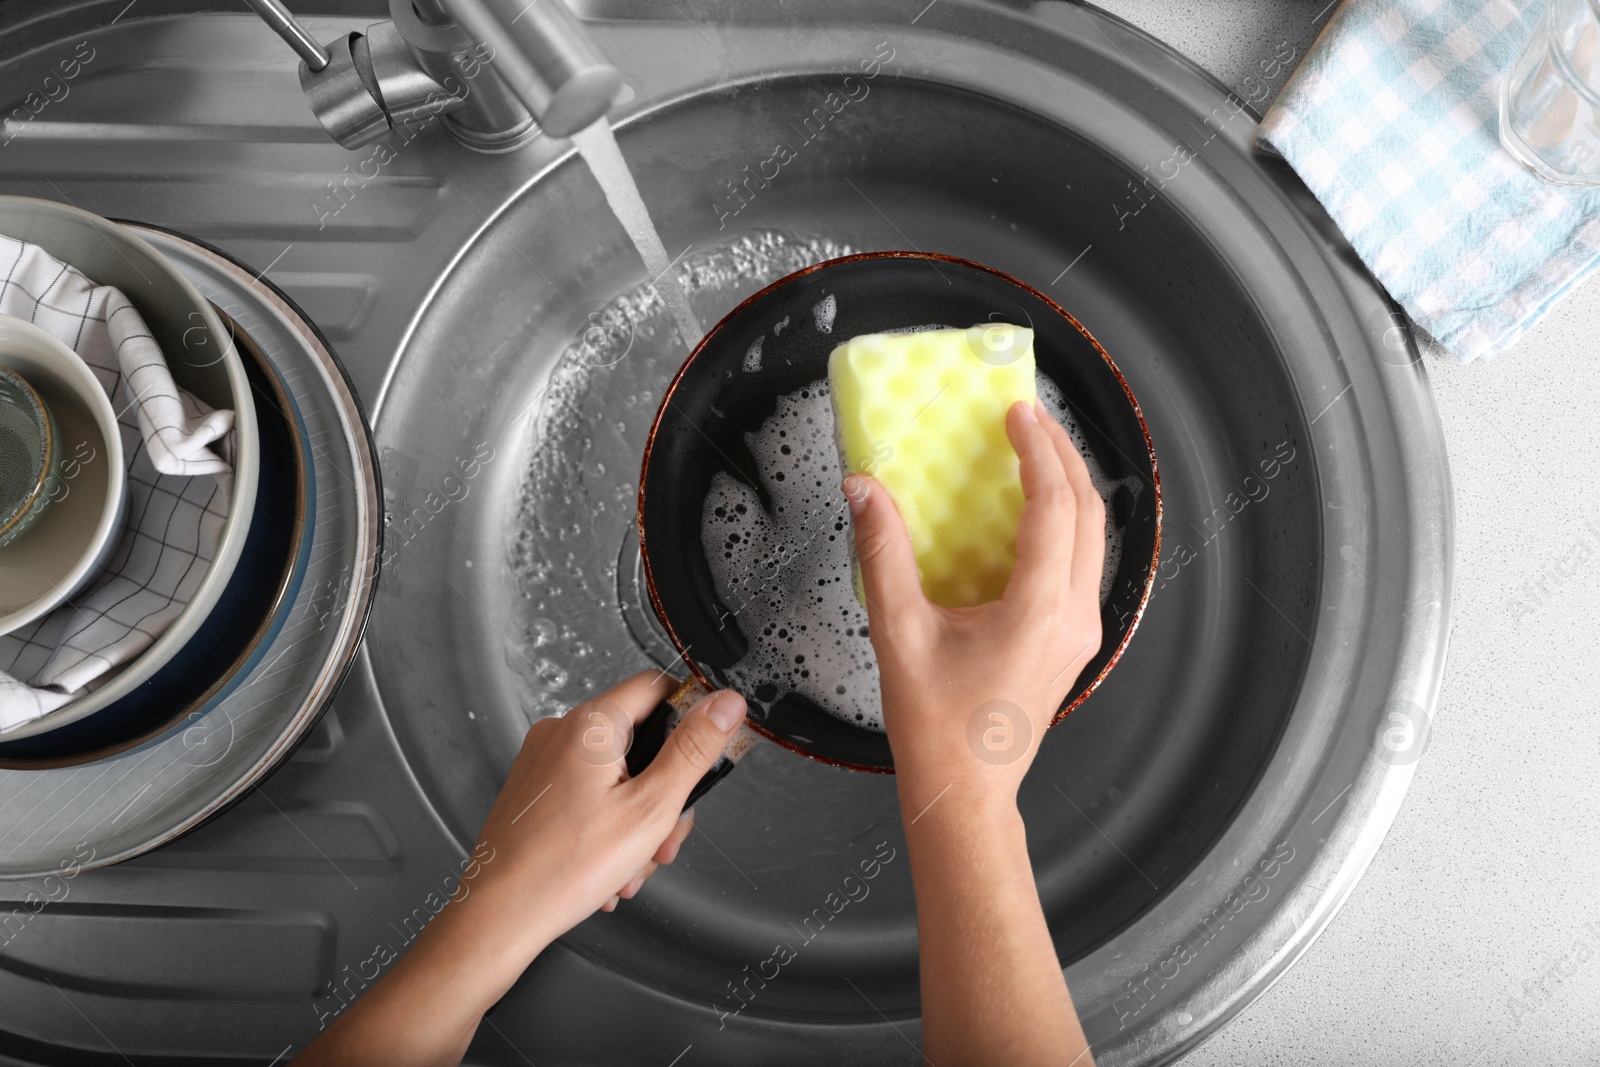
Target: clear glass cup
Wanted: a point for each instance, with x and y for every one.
(1550, 100)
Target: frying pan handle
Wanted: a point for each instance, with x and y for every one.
(652, 734)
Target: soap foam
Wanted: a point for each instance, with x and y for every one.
(924, 328)
(785, 573)
(826, 310)
(577, 501)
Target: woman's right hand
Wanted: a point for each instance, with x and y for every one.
(968, 692)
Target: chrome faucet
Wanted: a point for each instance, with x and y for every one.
(497, 71)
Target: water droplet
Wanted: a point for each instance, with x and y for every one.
(541, 632)
(551, 673)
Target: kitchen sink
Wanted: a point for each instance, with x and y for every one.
(1193, 825)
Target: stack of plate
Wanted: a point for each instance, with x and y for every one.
(209, 713)
(224, 694)
(204, 360)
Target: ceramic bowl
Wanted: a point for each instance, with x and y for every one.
(85, 485)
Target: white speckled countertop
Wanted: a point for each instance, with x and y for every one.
(1474, 937)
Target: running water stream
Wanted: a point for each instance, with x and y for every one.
(598, 147)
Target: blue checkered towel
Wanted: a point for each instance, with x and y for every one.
(1392, 120)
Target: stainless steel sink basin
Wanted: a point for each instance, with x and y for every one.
(1194, 825)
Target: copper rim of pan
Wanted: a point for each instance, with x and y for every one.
(280, 399)
(677, 379)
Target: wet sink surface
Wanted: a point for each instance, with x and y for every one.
(465, 292)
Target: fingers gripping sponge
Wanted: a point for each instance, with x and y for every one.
(924, 413)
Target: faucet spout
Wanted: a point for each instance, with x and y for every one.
(546, 58)
(490, 68)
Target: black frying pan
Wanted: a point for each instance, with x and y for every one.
(712, 404)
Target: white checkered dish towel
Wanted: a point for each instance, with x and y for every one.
(178, 453)
(1392, 120)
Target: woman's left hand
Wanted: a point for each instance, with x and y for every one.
(571, 833)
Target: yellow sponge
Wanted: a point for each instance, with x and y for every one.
(925, 413)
